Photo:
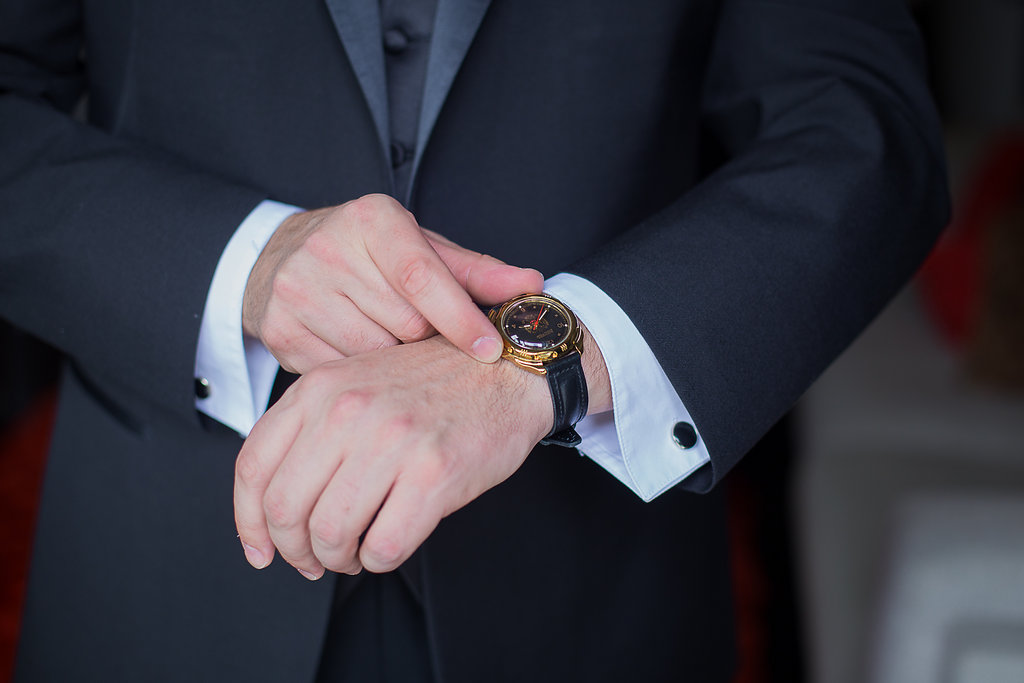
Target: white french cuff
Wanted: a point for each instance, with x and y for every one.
(635, 441)
(239, 371)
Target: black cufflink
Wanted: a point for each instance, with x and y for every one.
(684, 435)
(202, 387)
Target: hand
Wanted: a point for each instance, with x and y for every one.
(344, 280)
(387, 443)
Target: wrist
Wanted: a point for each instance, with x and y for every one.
(521, 401)
(530, 396)
(542, 336)
(599, 386)
(260, 283)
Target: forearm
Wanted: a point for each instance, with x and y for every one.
(108, 251)
(751, 283)
(650, 442)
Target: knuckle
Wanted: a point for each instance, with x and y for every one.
(313, 382)
(481, 261)
(322, 380)
(381, 553)
(280, 512)
(434, 468)
(479, 266)
(381, 343)
(413, 326)
(329, 532)
(399, 428)
(318, 383)
(323, 246)
(489, 260)
(356, 341)
(296, 364)
(365, 209)
(347, 404)
(415, 276)
(356, 210)
(277, 339)
(248, 471)
(284, 285)
(291, 350)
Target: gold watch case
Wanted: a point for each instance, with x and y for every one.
(530, 338)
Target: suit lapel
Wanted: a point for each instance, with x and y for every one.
(454, 28)
(358, 25)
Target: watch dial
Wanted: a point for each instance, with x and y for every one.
(536, 325)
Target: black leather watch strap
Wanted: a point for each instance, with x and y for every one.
(569, 397)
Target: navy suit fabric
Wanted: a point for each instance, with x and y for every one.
(750, 180)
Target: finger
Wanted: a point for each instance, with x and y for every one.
(307, 352)
(418, 274)
(377, 301)
(407, 517)
(345, 509)
(310, 307)
(297, 348)
(343, 326)
(488, 280)
(304, 473)
(261, 454)
(339, 262)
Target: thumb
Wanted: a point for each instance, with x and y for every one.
(486, 279)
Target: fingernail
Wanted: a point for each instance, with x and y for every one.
(254, 556)
(487, 349)
(311, 577)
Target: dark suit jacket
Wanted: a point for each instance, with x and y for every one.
(749, 179)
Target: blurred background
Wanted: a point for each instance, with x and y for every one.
(907, 504)
(879, 533)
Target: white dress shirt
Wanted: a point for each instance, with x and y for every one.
(634, 442)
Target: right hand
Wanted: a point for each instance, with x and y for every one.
(361, 458)
(343, 280)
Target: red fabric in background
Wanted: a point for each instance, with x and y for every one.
(951, 279)
(23, 447)
(751, 588)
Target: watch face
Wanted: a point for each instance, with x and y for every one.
(536, 324)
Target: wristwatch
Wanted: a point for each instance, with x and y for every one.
(541, 335)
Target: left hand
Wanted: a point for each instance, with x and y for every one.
(387, 443)
(343, 280)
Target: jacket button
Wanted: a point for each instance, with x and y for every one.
(400, 154)
(395, 40)
(202, 387)
(684, 435)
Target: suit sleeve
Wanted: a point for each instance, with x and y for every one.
(830, 195)
(108, 248)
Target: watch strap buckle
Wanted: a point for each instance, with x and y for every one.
(568, 438)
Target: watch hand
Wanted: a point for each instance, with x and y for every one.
(537, 321)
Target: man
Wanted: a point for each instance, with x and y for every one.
(744, 183)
